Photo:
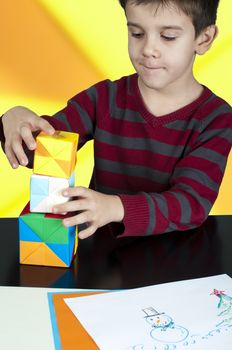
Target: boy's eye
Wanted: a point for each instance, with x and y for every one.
(168, 38)
(137, 35)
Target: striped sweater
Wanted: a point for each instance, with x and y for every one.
(167, 170)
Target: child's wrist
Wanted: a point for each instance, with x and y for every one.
(117, 209)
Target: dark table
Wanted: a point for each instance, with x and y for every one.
(103, 262)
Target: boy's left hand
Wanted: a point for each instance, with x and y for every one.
(95, 209)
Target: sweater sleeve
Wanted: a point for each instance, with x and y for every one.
(79, 115)
(194, 186)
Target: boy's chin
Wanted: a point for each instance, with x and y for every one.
(153, 84)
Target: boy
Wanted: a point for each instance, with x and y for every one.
(161, 139)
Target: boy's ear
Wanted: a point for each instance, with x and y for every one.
(205, 39)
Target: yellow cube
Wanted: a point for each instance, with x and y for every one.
(55, 155)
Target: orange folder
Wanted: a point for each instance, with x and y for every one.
(72, 334)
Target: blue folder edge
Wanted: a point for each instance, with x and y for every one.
(55, 329)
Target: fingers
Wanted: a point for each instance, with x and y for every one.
(11, 157)
(26, 134)
(37, 124)
(77, 192)
(45, 126)
(72, 206)
(15, 153)
(14, 150)
(85, 204)
(78, 220)
(82, 203)
(19, 123)
(87, 232)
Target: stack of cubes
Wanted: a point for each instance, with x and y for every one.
(43, 239)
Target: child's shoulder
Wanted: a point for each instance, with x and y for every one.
(106, 90)
(218, 101)
(213, 105)
(124, 82)
(215, 114)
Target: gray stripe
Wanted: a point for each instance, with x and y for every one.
(162, 204)
(203, 201)
(85, 118)
(222, 133)
(62, 118)
(171, 227)
(137, 143)
(217, 113)
(174, 227)
(196, 124)
(184, 125)
(112, 190)
(185, 207)
(196, 175)
(191, 124)
(210, 155)
(132, 170)
(152, 216)
(119, 113)
(92, 94)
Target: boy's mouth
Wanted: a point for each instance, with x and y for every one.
(151, 67)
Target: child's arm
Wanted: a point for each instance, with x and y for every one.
(194, 187)
(18, 125)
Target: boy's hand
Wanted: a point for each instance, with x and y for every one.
(18, 125)
(96, 209)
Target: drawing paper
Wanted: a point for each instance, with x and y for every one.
(193, 314)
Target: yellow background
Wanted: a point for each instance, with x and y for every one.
(51, 49)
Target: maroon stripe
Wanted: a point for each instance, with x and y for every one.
(203, 165)
(202, 190)
(127, 183)
(135, 157)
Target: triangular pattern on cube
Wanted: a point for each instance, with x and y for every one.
(33, 220)
(61, 250)
(38, 254)
(37, 203)
(59, 233)
(41, 150)
(26, 233)
(27, 249)
(42, 187)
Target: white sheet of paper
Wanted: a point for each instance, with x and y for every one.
(25, 321)
(178, 315)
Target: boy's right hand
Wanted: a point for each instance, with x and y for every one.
(18, 125)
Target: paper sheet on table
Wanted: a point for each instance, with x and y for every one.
(68, 333)
(192, 314)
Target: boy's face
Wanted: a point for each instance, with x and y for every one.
(161, 45)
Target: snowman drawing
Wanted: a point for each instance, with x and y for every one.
(163, 328)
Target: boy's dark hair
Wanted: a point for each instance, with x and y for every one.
(203, 13)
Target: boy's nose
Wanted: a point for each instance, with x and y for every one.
(150, 49)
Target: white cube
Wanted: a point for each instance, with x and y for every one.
(46, 191)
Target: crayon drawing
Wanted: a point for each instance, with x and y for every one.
(169, 336)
